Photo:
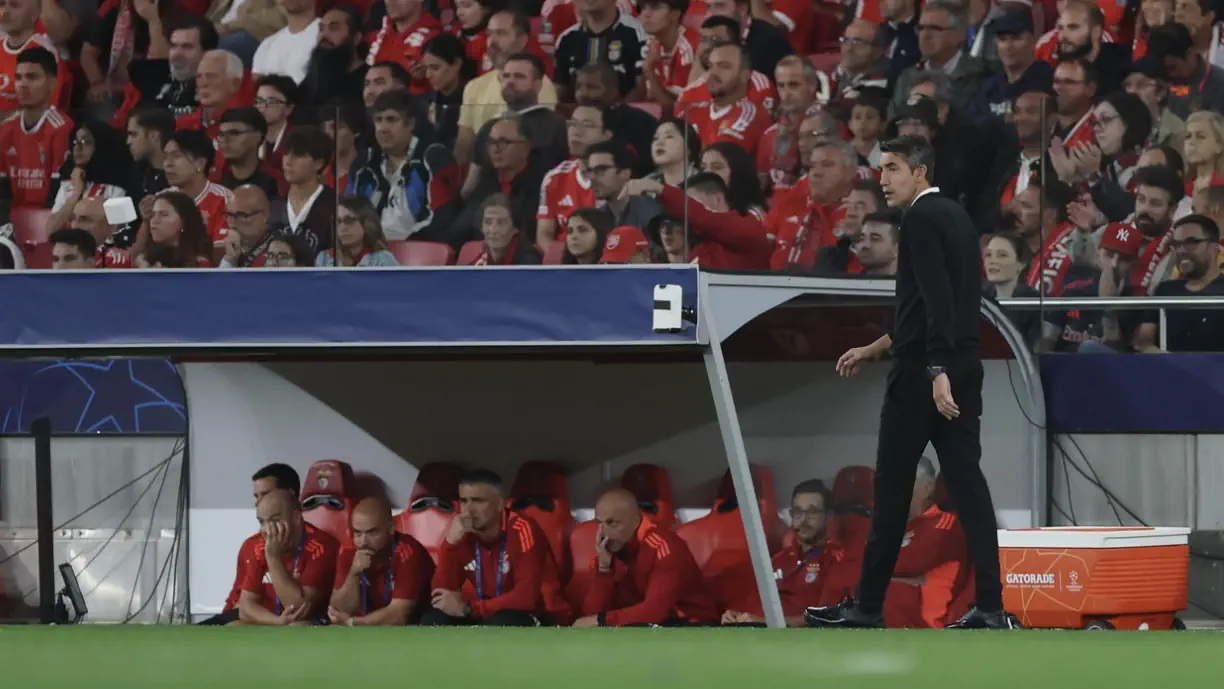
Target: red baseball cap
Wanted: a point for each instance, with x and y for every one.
(622, 243)
(1122, 238)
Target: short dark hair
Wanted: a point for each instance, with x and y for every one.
(814, 485)
(399, 101)
(398, 74)
(1173, 157)
(1092, 75)
(195, 144)
(41, 57)
(622, 158)
(519, 20)
(1057, 194)
(286, 477)
(603, 71)
(1161, 177)
(745, 57)
(157, 120)
(1019, 246)
(249, 116)
(916, 151)
(873, 187)
(732, 26)
(287, 87)
(209, 39)
(80, 239)
(1170, 40)
(607, 116)
(707, 182)
(887, 216)
(537, 65)
(484, 477)
(309, 141)
(1135, 116)
(341, 112)
(680, 6)
(1209, 226)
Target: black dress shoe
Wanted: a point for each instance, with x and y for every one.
(977, 618)
(844, 615)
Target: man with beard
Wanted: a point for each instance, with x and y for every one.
(1081, 35)
(1076, 85)
(522, 84)
(802, 568)
(382, 579)
(1020, 164)
(336, 71)
(169, 83)
(1113, 264)
(778, 158)
(716, 31)
(877, 243)
(1158, 191)
(1194, 84)
(1196, 246)
(729, 116)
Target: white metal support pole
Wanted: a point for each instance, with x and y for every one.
(741, 474)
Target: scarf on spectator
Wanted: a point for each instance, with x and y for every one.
(1048, 271)
(784, 162)
(122, 46)
(486, 259)
(1150, 258)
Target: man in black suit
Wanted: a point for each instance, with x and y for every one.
(934, 391)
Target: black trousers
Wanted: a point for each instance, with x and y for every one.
(502, 618)
(220, 619)
(908, 421)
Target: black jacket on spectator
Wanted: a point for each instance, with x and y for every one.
(430, 187)
(635, 127)
(767, 45)
(524, 196)
(1027, 321)
(622, 45)
(1113, 63)
(1191, 330)
(903, 46)
(152, 79)
(994, 101)
(834, 259)
(549, 137)
(962, 151)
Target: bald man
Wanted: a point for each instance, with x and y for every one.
(382, 578)
(289, 578)
(644, 575)
(247, 219)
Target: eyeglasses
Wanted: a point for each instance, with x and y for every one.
(270, 101)
(1068, 82)
(280, 257)
(82, 143)
(227, 134)
(798, 513)
(600, 169)
(1101, 123)
(498, 144)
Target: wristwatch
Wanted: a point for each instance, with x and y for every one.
(934, 372)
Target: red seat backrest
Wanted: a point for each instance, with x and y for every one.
(651, 485)
(825, 61)
(767, 501)
(30, 224)
(327, 500)
(552, 257)
(582, 555)
(469, 252)
(37, 256)
(649, 107)
(432, 505)
(410, 253)
(854, 485)
(853, 496)
(539, 492)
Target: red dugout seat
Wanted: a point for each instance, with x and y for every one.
(327, 500)
(432, 505)
(469, 252)
(853, 497)
(37, 256)
(410, 253)
(720, 546)
(652, 486)
(539, 492)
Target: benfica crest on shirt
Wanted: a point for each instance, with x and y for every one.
(813, 572)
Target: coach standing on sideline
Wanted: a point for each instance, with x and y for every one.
(934, 391)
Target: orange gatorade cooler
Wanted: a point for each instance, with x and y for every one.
(1095, 578)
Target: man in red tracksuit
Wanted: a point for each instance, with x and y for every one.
(718, 236)
(932, 567)
(644, 575)
(493, 564)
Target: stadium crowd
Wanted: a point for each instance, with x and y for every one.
(1085, 138)
(324, 557)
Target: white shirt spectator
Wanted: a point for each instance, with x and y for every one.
(286, 53)
(231, 15)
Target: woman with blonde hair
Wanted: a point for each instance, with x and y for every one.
(1204, 151)
(359, 237)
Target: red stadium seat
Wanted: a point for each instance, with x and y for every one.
(582, 554)
(327, 499)
(469, 252)
(552, 257)
(36, 255)
(653, 109)
(539, 492)
(432, 505)
(853, 498)
(825, 61)
(652, 486)
(692, 20)
(720, 546)
(410, 253)
(30, 224)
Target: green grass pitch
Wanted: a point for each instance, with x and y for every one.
(101, 657)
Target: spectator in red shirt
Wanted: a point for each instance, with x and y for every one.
(626, 244)
(290, 578)
(671, 50)
(218, 84)
(382, 579)
(778, 158)
(401, 38)
(715, 31)
(718, 237)
(644, 575)
(731, 162)
(491, 565)
(267, 479)
(729, 116)
(802, 567)
(932, 564)
(176, 222)
(188, 157)
(34, 143)
(276, 99)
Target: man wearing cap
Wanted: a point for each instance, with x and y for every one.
(1147, 80)
(1110, 276)
(610, 166)
(626, 244)
(1021, 72)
